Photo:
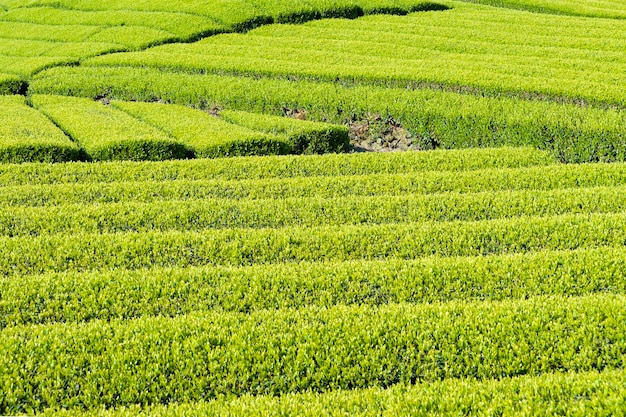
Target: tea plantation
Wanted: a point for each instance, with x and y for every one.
(192, 222)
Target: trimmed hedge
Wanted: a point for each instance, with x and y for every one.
(306, 137)
(198, 357)
(83, 251)
(28, 136)
(444, 119)
(203, 214)
(141, 189)
(579, 394)
(278, 167)
(109, 134)
(206, 135)
(169, 292)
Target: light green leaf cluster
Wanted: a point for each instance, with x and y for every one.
(615, 9)
(323, 282)
(306, 137)
(282, 167)
(153, 131)
(28, 136)
(386, 49)
(25, 66)
(209, 214)
(203, 356)
(133, 37)
(32, 31)
(108, 134)
(579, 394)
(445, 119)
(207, 135)
(180, 24)
(127, 294)
(176, 186)
(237, 12)
(138, 25)
(244, 246)
(26, 48)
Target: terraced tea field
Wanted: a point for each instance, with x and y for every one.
(186, 228)
(480, 76)
(363, 278)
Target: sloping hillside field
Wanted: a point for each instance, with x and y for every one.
(312, 208)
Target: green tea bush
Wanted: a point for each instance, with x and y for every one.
(108, 134)
(206, 135)
(84, 251)
(126, 294)
(276, 167)
(183, 25)
(444, 120)
(201, 214)
(25, 67)
(576, 394)
(36, 31)
(306, 137)
(28, 136)
(19, 48)
(607, 9)
(202, 356)
(455, 50)
(178, 187)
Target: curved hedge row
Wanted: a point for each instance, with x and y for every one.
(276, 166)
(205, 214)
(579, 394)
(126, 294)
(81, 251)
(154, 132)
(28, 136)
(195, 357)
(206, 135)
(445, 119)
(107, 134)
(148, 190)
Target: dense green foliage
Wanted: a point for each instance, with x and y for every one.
(28, 136)
(278, 167)
(151, 131)
(445, 119)
(343, 70)
(306, 137)
(235, 13)
(174, 23)
(108, 134)
(206, 135)
(579, 394)
(125, 284)
(310, 211)
(604, 8)
(154, 189)
(125, 294)
(148, 360)
(143, 281)
(467, 46)
(68, 31)
(87, 251)
(25, 48)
